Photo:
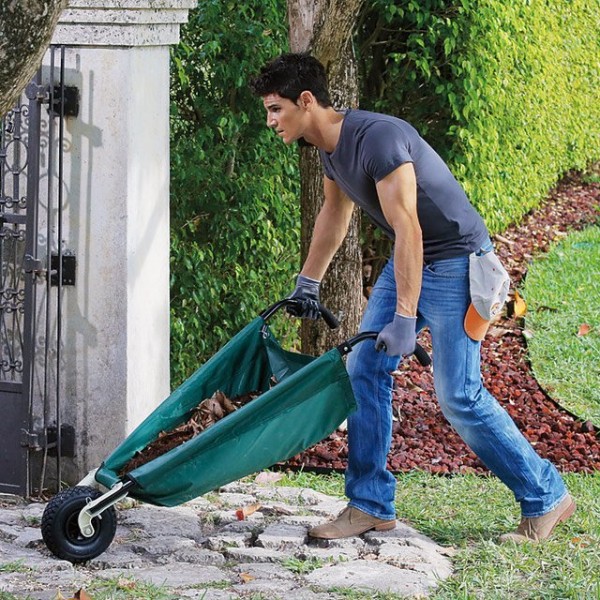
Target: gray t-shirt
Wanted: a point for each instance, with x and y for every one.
(371, 146)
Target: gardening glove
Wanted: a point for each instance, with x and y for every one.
(307, 292)
(398, 338)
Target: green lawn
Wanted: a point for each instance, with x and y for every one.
(562, 290)
(469, 512)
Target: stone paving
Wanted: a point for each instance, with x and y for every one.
(200, 550)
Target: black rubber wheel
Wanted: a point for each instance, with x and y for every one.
(61, 532)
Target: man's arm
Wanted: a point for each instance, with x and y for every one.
(331, 226)
(398, 197)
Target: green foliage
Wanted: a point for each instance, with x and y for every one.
(234, 213)
(508, 92)
(302, 566)
(15, 566)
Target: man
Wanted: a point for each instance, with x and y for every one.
(442, 254)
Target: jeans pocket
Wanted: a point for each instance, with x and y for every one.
(449, 268)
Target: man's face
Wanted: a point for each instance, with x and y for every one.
(285, 117)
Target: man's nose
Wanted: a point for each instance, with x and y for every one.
(271, 121)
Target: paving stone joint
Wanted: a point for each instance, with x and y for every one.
(201, 550)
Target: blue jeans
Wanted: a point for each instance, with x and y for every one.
(473, 412)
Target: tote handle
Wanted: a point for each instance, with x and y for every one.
(329, 318)
(345, 348)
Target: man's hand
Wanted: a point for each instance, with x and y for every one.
(398, 338)
(307, 293)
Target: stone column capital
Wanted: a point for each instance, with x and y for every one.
(122, 22)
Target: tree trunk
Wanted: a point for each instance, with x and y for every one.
(324, 27)
(26, 29)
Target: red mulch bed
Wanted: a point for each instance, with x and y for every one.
(423, 439)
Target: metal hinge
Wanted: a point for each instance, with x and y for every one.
(41, 93)
(68, 270)
(47, 440)
(30, 440)
(65, 101)
(32, 264)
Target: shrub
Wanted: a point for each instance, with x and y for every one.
(508, 92)
(234, 214)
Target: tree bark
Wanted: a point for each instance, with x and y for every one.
(26, 28)
(324, 28)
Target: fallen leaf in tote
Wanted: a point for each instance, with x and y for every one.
(246, 511)
(584, 329)
(207, 413)
(246, 577)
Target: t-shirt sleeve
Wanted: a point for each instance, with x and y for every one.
(384, 148)
(326, 168)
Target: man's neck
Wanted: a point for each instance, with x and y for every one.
(326, 129)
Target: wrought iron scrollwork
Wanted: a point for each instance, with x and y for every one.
(13, 211)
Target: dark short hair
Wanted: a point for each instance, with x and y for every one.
(291, 74)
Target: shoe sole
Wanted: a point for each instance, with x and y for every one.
(382, 527)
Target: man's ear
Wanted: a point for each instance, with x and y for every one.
(306, 100)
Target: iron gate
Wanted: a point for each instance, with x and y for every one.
(19, 185)
(26, 279)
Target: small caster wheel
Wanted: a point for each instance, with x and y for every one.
(60, 529)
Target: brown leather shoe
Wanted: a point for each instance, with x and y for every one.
(536, 529)
(351, 521)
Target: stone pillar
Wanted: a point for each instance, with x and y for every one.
(115, 339)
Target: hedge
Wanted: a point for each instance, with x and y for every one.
(507, 90)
